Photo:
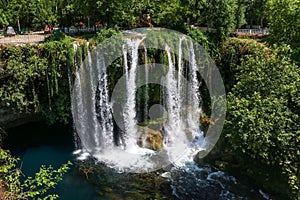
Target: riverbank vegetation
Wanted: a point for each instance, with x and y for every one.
(263, 111)
(261, 138)
(15, 185)
(34, 79)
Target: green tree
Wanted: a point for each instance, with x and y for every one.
(240, 13)
(256, 12)
(263, 111)
(3, 14)
(125, 13)
(221, 16)
(44, 13)
(284, 19)
(34, 78)
(35, 13)
(22, 11)
(169, 14)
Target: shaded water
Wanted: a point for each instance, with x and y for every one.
(39, 144)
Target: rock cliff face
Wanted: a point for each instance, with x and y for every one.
(10, 118)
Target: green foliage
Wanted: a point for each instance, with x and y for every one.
(240, 18)
(56, 37)
(16, 186)
(284, 20)
(105, 34)
(169, 14)
(284, 17)
(263, 111)
(221, 15)
(35, 13)
(256, 12)
(59, 110)
(230, 55)
(22, 70)
(200, 38)
(34, 79)
(3, 14)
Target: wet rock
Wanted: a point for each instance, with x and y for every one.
(151, 139)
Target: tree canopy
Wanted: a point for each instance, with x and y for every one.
(219, 14)
(264, 106)
(284, 17)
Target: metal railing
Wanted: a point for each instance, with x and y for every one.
(72, 30)
(23, 39)
(264, 31)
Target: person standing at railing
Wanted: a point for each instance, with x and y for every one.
(51, 28)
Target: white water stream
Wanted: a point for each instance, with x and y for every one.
(93, 117)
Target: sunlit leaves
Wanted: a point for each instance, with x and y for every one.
(34, 79)
(263, 107)
(19, 187)
(221, 15)
(284, 17)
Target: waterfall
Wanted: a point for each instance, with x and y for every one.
(183, 120)
(129, 114)
(92, 107)
(194, 95)
(84, 112)
(77, 102)
(173, 125)
(91, 101)
(146, 89)
(75, 136)
(104, 107)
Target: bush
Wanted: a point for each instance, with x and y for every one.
(264, 111)
(35, 78)
(15, 186)
(105, 33)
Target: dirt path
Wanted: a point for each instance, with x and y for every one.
(23, 39)
(1, 191)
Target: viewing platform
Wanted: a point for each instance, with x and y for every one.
(34, 38)
(252, 32)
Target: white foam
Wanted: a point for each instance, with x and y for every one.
(76, 152)
(83, 156)
(166, 175)
(126, 161)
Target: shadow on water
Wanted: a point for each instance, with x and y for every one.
(39, 144)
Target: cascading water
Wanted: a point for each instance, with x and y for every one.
(176, 142)
(81, 118)
(130, 109)
(93, 113)
(146, 89)
(173, 124)
(91, 103)
(75, 136)
(104, 111)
